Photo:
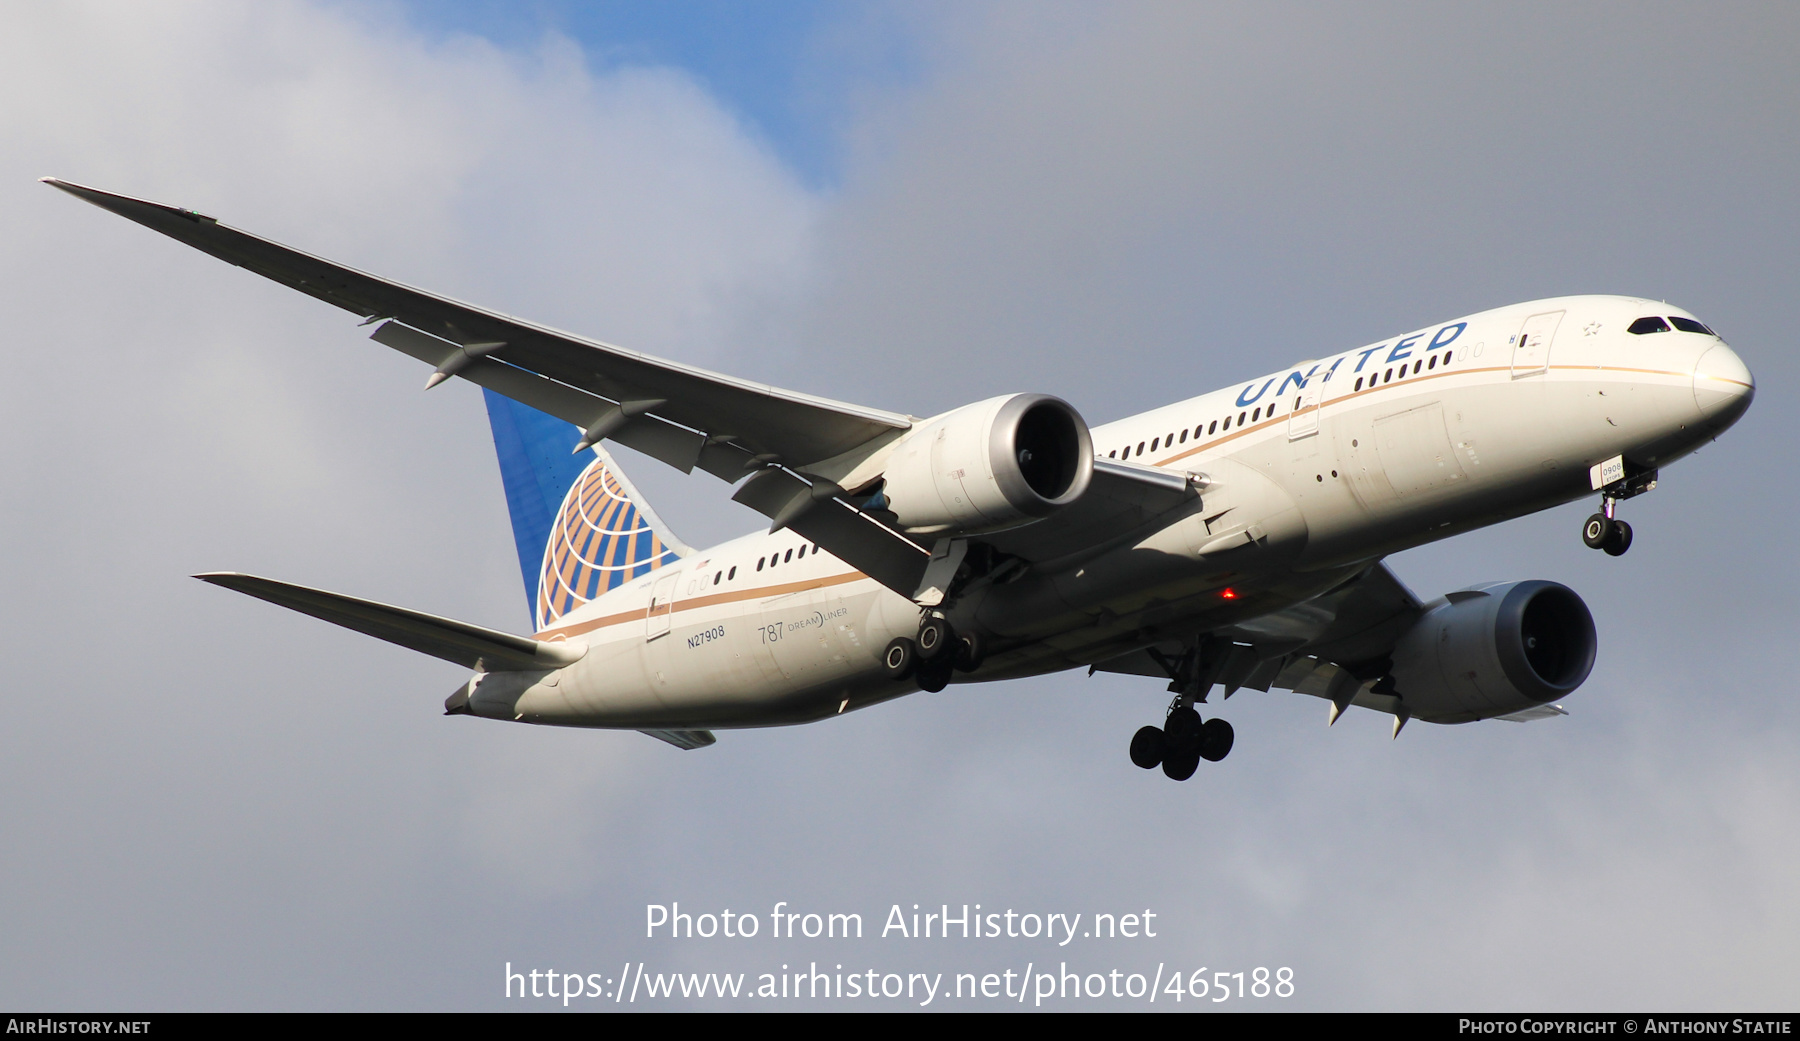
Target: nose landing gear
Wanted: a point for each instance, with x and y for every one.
(1615, 479)
(1181, 742)
(1603, 531)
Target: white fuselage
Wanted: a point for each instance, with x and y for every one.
(1307, 474)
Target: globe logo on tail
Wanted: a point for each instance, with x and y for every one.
(599, 541)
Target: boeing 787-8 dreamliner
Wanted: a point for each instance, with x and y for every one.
(1231, 540)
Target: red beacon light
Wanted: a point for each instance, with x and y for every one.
(1228, 594)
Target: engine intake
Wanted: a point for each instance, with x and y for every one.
(996, 464)
(1494, 650)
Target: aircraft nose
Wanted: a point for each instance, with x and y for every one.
(1723, 386)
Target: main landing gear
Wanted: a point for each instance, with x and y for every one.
(932, 658)
(1181, 742)
(1184, 739)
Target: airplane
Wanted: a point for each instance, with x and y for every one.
(1228, 541)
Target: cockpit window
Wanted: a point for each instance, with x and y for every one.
(1688, 325)
(1648, 324)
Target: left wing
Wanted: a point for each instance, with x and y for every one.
(797, 444)
(680, 414)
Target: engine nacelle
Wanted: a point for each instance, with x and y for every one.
(1494, 650)
(996, 464)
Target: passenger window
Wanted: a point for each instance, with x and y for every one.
(1433, 364)
(1114, 454)
(729, 575)
(759, 563)
(1254, 416)
(1184, 437)
(717, 576)
(1447, 356)
(1140, 448)
(802, 552)
(1168, 439)
(1688, 325)
(790, 556)
(1214, 428)
(1227, 425)
(1241, 418)
(1416, 366)
(1358, 383)
(1154, 442)
(1647, 324)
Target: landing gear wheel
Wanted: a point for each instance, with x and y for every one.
(1147, 747)
(935, 638)
(933, 676)
(1215, 740)
(1182, 731)
(1180, 767)
(1619, 540)
(968, 653)
(1597, 530)
(900, 658)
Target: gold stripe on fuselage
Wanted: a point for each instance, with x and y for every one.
(698, 602)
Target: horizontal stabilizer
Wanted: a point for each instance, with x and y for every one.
(470, 646)
(687, 740)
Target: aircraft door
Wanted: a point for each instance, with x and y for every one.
(1303, 418)
(662, 607)
(1414, 448)
(1531, 351)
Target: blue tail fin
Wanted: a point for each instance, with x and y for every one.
(579, 525)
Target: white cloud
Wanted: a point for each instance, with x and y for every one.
(205, 773)
(218, 804)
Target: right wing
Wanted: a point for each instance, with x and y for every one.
(1334, 646)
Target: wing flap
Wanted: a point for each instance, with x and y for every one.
(471, 646)
(687, 740)
(650, 434)
(845, 532)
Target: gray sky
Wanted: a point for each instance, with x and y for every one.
(217, 804)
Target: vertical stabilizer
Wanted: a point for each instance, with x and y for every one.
(578, 524)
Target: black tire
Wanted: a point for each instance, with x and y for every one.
(1147, 747)
(969, 652)
(1182, 733)
(1620, 540)
(1181, 767)
(1215, 740)
(900, 658)
(1597, 530)
(933, 676)
(935, 639)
